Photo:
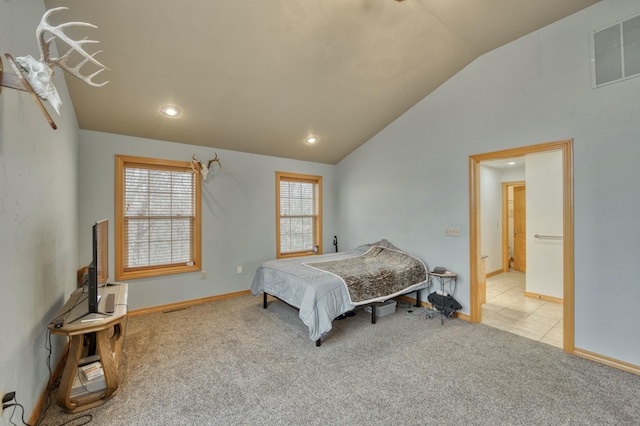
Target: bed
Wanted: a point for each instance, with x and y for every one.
(324, 287)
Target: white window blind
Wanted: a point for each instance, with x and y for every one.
(299, 215)
(159, 218)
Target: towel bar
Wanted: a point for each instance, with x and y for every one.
(548, 237)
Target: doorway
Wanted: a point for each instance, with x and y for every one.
(566, 147)
(514, 223)
(519, 229)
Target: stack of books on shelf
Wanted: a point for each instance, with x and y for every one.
(89, 379)
(93, 370)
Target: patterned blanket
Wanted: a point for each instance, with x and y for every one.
(377, 275)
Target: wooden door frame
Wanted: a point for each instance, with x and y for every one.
(566, 146)
(505, 221)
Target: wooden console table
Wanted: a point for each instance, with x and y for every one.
(95, 334)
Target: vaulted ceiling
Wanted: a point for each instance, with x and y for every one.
(260, 76)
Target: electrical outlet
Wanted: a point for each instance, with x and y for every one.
(203, 275)
(452, 232)
(239, 269)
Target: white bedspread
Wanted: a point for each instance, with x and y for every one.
(320, 296)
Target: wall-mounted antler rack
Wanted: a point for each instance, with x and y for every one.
(18, 82)
(35, 75)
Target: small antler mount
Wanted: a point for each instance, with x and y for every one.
(203, 168)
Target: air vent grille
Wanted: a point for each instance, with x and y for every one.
(616, 52)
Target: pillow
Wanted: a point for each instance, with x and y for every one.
(384, 243)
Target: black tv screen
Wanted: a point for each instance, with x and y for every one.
(99, 266)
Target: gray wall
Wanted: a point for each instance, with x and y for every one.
(238, 213)
(38, 217)
(410, 181)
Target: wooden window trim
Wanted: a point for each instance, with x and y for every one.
(318, 228)
(123, 161)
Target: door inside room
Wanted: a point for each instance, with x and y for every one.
(518, 228)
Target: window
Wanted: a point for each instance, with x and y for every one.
(157, 217)
(298, 214)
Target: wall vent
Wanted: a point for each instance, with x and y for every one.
(615, 52)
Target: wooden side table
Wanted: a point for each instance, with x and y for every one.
(94, 334)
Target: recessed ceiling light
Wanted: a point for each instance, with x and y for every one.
(511, 163)
(311, 140)
(170, 111)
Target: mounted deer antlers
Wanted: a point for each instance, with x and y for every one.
(39, 72)
(200, 167)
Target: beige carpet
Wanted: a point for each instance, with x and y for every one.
(231, 362)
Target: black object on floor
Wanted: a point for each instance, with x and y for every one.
(345, 315)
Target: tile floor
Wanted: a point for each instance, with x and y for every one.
(508, 309)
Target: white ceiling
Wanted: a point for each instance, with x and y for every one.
(260, 76)
(516, 163)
